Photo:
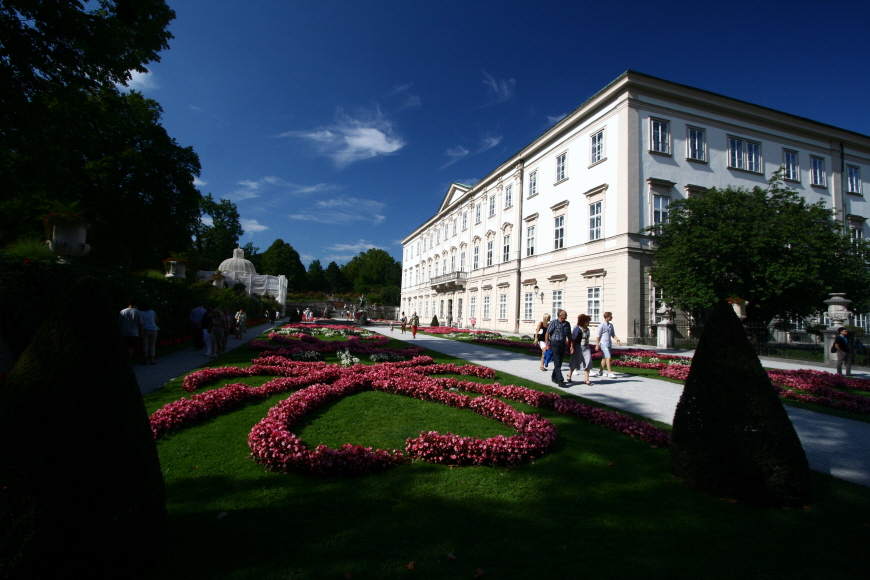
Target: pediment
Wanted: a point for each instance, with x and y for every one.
(454, 194)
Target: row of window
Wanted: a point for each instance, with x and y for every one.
(593, 306)
(745, 154)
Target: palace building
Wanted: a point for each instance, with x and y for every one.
(559, 224)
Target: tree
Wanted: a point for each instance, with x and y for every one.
(316, 277)
(335, 279)
(374, 267)
(252, 253)
(282, 259)
(216, 242)
(731, 435)
(769, 247)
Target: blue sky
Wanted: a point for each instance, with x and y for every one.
(338, 125)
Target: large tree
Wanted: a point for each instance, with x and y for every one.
(215, 241)
(316, 277)
(282, 259)
(769, 247)
(335, 278)
(372, 268)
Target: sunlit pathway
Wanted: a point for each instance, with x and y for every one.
(833, 445)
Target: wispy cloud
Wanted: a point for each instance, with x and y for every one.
(142, 81)
(455, 154)
(553, 120)
(342, 210)
(252, 226)
(199, 182)
(360, 246)
(488, 142)
(408, 99)
(351, 139)
(249, 189)
(500, 90)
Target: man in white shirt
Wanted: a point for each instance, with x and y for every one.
(605, 333)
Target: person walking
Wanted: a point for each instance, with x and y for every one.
(130, 321)
(606, 333)
(558, 339)
(404, 321)
(843, 347)
(217, 331)
(540, 336)
(241, 323)
(581, 358)
(196, 324)
(415, 322)
(149, 333)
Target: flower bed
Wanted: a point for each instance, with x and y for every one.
(275, 446)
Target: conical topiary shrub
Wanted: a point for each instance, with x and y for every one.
(731, 436)
(434, 321)
(82, 491)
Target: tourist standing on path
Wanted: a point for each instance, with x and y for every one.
(558, 333)
(605, 334)
(196, 324)
(581, 358)
(843, 346)
(130, 320)
(404, 320)
(415, 322)
(241, 323)
(217, 330)
(149, 333)
(541, 337)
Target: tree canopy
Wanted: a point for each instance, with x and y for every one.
(282, 259)
(216, 241)
(769, 247)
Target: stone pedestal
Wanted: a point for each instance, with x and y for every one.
(666, 328)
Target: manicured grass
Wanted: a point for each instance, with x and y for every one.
(600, 505)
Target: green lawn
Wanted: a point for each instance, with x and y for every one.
(600, 505)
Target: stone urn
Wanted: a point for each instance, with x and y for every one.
(175, 269)
(217, 279)
(68, 240)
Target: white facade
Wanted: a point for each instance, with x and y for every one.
(558, 224)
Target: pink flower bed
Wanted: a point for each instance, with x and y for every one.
(275, 446)
(305, 342)
(451, 329)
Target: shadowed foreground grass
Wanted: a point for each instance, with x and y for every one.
(600, 505)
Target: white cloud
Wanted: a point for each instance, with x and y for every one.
(252, 226)
(142, 81)
(342, 210)
(488, 142)
(360, 246)
(500, 89)
(350, 140)
(206, 220)
(199, 182)
(250, 189)
(553, 120)
(455, 154)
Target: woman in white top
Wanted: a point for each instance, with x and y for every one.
(581, 358)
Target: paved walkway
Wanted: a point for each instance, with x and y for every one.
(833, 445)
(181, 362)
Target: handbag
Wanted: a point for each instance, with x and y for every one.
(548, 356)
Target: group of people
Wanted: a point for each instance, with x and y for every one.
(405, 322)
(138, 324)
(212, 327)
(556, 338)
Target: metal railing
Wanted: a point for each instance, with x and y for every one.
(449, 277)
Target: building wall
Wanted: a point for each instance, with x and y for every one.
(605, 173)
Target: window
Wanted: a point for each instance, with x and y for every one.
(791, 171)
(486, 307)
(472, 307)
(489, 245)
(533, 183)
(459, 308)
(557, 304)
(436, 269)
(660, 209)
(530, 241)
(593, 303)
(438, 236)
(475, 264)
(453, 263)
(477, 214)
(696, 144)
(820, 176)
(660, 136)
(426, 309)
(857, 233)
(506, 248)
(854, 179)
(492, 206)
(430, 272)
(462, 262)
(446, 230)
(502, 306)
(597, 147)
(744, 155)
(560, 167)
(464, 221)
(528, 307)
(559, 241)
(595, 210)
(455, 225)
(508, 196)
